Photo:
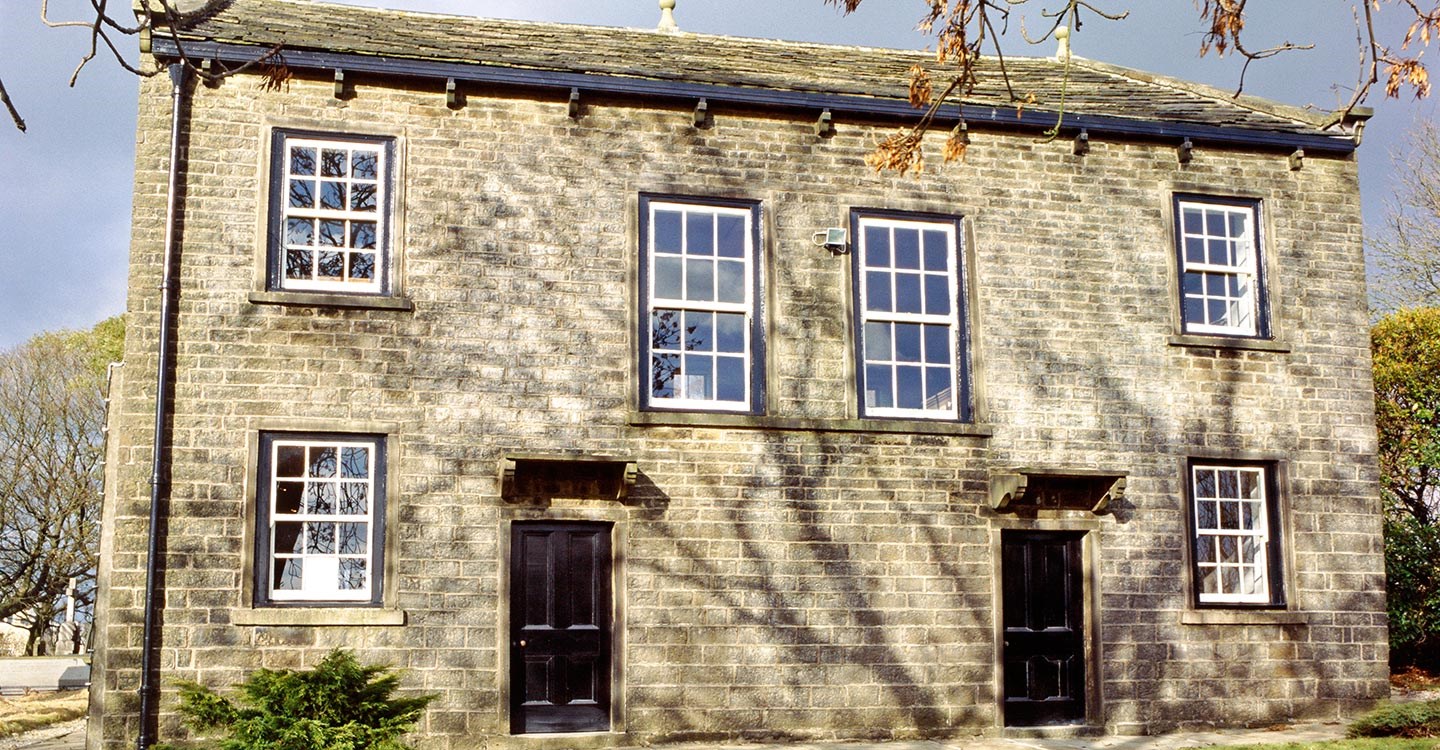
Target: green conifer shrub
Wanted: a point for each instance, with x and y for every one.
(339, 705)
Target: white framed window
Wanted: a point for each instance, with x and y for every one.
(330, 213)
(320, 517)
(703, 344)
(1221, 290)
(907, 292)
(1235, 542)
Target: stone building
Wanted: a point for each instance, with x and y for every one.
(591, 377)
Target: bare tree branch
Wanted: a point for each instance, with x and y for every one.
(10, 107)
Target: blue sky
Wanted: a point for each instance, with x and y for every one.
(65, 185)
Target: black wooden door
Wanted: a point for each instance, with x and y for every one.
(559, 627)
(1044, 649)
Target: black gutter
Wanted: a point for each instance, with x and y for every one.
(148, 691)
(718, 93)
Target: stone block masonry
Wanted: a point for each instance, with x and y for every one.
(802, 574)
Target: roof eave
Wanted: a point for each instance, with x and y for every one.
(884, 107)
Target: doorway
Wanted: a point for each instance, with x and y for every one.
(1043, 651)
(560, 627)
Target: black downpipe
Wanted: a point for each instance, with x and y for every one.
(148, 664)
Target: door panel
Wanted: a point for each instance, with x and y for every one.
(559, 627)
(1043, 617)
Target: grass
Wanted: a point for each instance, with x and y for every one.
(1368, 743)
(35, 710)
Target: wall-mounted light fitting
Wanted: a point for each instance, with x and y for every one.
(825, 125)
(1297, 160)
(832, 239)
(1082, 143)
(1186, 152)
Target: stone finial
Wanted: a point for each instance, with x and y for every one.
(1062, 37)
(667, 17)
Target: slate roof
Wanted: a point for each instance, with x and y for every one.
(638, 55)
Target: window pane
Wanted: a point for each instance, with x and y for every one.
(937, 388)
(287, 574)
(1194, 250)
(1229, 515)
(907, 249)
(1205, 483)
(354, 462)
(699, 331)
(699, 376)
(302, 194)
(907, 293)
(937, 251)
(937, 294)
(354, 499)
(910, 394)
(877, 342)
(1218, 253)
(1215, 222)
(365, 165)
(1229, 483)
(300, 232)
(362, 266)
(667, 278)
(1205, 515)
(331, 266)
(1230, 580)
(731, 240)
(1195, 309)
(319, 538)
(352, 537)
(730, 379)
(700, 280)
(700, 234)
(352, 574)
(1191, 219)
(1250, 484)
(730, 332)
(362, 235)
(879, 391)
(332, 195)
(1209, 581)
(665, 330)
(288, 537)
(907, 342)
(362, 198)
(332, 233)
(1205, 550)
(667, 231)
(298, 264)
(289, 461)
(663, 370)
(320, 499)
(1229, 552)
(332, 162)
(937, 345)
(288, 496)
(1218, 310)
(877, 247)
(877, 291)
(302, 160)
(731, 281)
(322, 462)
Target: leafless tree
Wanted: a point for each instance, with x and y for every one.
(107, 26)
(965, 29)
(52, 415)
(1406, 249)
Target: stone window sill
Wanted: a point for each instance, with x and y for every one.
(1229, 342)
(317, 616)
(1243, 617)
(323, 299)
(802, 424)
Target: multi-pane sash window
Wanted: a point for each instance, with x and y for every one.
(330, 218)
(1220, 285)
(703, 346)
(320, 507)
(1233, 543)
(907, 276)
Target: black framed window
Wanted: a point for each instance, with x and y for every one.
(910, 316)
(702, 327)
(1222, 286)
(331, 209)
(1235, 539)
(320, 519)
